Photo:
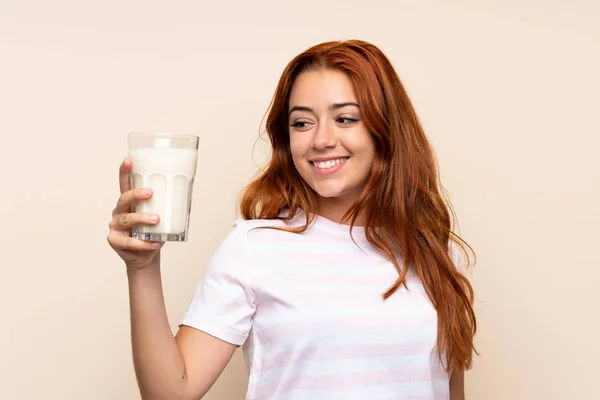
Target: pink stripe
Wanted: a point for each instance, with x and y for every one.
(352, 277)
(436, 396)
(357, 379)
(354, 322)
(318, 300)
(273, 297)
(298, 259)
(215, 297)
(343, 352)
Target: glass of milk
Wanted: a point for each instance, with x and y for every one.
(165, 163)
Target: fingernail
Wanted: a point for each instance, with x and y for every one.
(156, 245)
(153, 218)
(146, 192)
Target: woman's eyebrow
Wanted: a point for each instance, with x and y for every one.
(334, 106)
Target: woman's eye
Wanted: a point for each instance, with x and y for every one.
(299, 124)
(346, 120)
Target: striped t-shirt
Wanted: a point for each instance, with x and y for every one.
(309, 312)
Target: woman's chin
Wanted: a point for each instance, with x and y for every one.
(337, 194)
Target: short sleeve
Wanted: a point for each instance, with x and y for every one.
(223, 303)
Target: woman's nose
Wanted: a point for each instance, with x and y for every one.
(324, 136)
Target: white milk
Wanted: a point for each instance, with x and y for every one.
(169, 172)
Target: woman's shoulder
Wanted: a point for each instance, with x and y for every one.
(246, 235)
(281, 221)
(271, 228)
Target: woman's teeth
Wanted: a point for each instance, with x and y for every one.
(329, 163)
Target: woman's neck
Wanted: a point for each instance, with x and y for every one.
(334, 208)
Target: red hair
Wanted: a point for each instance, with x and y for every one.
(402, 197)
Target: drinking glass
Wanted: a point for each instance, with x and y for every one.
(165, 163)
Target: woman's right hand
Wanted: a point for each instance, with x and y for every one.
(137, 254)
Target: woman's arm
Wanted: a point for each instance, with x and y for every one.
(457, 385)
(170, 368)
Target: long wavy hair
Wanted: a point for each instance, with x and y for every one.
(405, 212)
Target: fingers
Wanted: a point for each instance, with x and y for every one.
(124, 171)
(129, 197)
(125, 221)
(121, 242)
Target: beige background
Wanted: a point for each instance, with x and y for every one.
(507, 91)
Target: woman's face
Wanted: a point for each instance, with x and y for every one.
(330, 145)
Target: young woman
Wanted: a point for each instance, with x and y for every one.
(340, 280)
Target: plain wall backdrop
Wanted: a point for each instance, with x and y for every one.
(506, 90)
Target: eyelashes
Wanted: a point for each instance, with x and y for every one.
(304, 124)
(299, 124)
(346, 120)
